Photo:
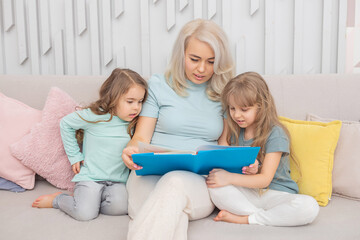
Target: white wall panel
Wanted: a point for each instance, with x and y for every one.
(284, 33)
(8, 14)
(183, 4)
(106, 32)
(45, 33)
(92, 37)
(21, 31)
(120, 58)
(44, 26)
(298, 36)
(145, 38)
(226, 17)
(33, 36)
(198, 9)
(269, 37)
(118, 7)
(341, 51)
(312, 37)
(211, 8)
(2, 55)
(254, 6)
(59, 53)
(81, 16)
(240, 58)
(170, 14)
(70, 63)
(326, 37)
(356, 59)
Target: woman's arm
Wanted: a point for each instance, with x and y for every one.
(220, 177)
(144, 130)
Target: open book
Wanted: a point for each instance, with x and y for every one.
(157, 160)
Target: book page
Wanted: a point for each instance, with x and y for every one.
(146, 148)
(214, 147)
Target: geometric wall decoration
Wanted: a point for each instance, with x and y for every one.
(92, 37)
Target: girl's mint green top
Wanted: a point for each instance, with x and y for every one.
(183, 123)
(102, 146)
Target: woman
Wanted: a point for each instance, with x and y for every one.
(183, 111)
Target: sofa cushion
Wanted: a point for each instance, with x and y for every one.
(15, 122)
(346, 159)
(313, 145)
(42, 149)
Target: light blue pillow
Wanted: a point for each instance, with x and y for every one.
(8, 185)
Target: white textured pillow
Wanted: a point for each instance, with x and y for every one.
(346, 177)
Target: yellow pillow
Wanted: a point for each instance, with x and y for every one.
(313, 145)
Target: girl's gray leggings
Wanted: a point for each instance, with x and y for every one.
(91, 198)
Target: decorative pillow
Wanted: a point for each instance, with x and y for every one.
(8, 185)
(313, 145)
(15, 122)
(42, 149)
(346, 159)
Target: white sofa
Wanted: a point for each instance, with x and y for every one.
(331, 96)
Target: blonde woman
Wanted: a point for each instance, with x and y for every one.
(183, 111)
(253, 121)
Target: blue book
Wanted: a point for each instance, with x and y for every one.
(158, 161)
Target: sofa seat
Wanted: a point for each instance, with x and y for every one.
(21, 221)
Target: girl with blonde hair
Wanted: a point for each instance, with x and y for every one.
(269, 197)
(183, 111)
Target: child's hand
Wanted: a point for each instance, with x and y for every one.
(127, 159)
(218, 178)
(251, 169)
(76, 167)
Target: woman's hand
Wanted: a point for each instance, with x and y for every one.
(218, 178)
(251, 169)
(127, 159)
(76, 166)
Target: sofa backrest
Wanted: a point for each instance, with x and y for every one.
(33, 90)
(333, 96)
(327, 95)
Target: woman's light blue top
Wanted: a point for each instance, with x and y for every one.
(102, 146)
(183, 123)
(277, 142)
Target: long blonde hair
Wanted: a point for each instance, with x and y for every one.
(209, 32)
(250, 89)
(116, 85)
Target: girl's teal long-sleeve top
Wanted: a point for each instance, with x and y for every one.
(102, 146)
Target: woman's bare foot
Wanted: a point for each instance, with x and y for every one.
(226, 216)
(45, 201)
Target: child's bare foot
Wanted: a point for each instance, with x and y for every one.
(226, 216)
(45, 201)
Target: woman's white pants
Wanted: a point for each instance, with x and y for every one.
(161, 206)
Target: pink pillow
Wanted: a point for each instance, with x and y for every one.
(16, 121)
(42, 149)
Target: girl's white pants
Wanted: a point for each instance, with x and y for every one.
(161, 206)
(273, 208)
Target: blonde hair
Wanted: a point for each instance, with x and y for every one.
(116, 85)
(209, 32)
(250, 89)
